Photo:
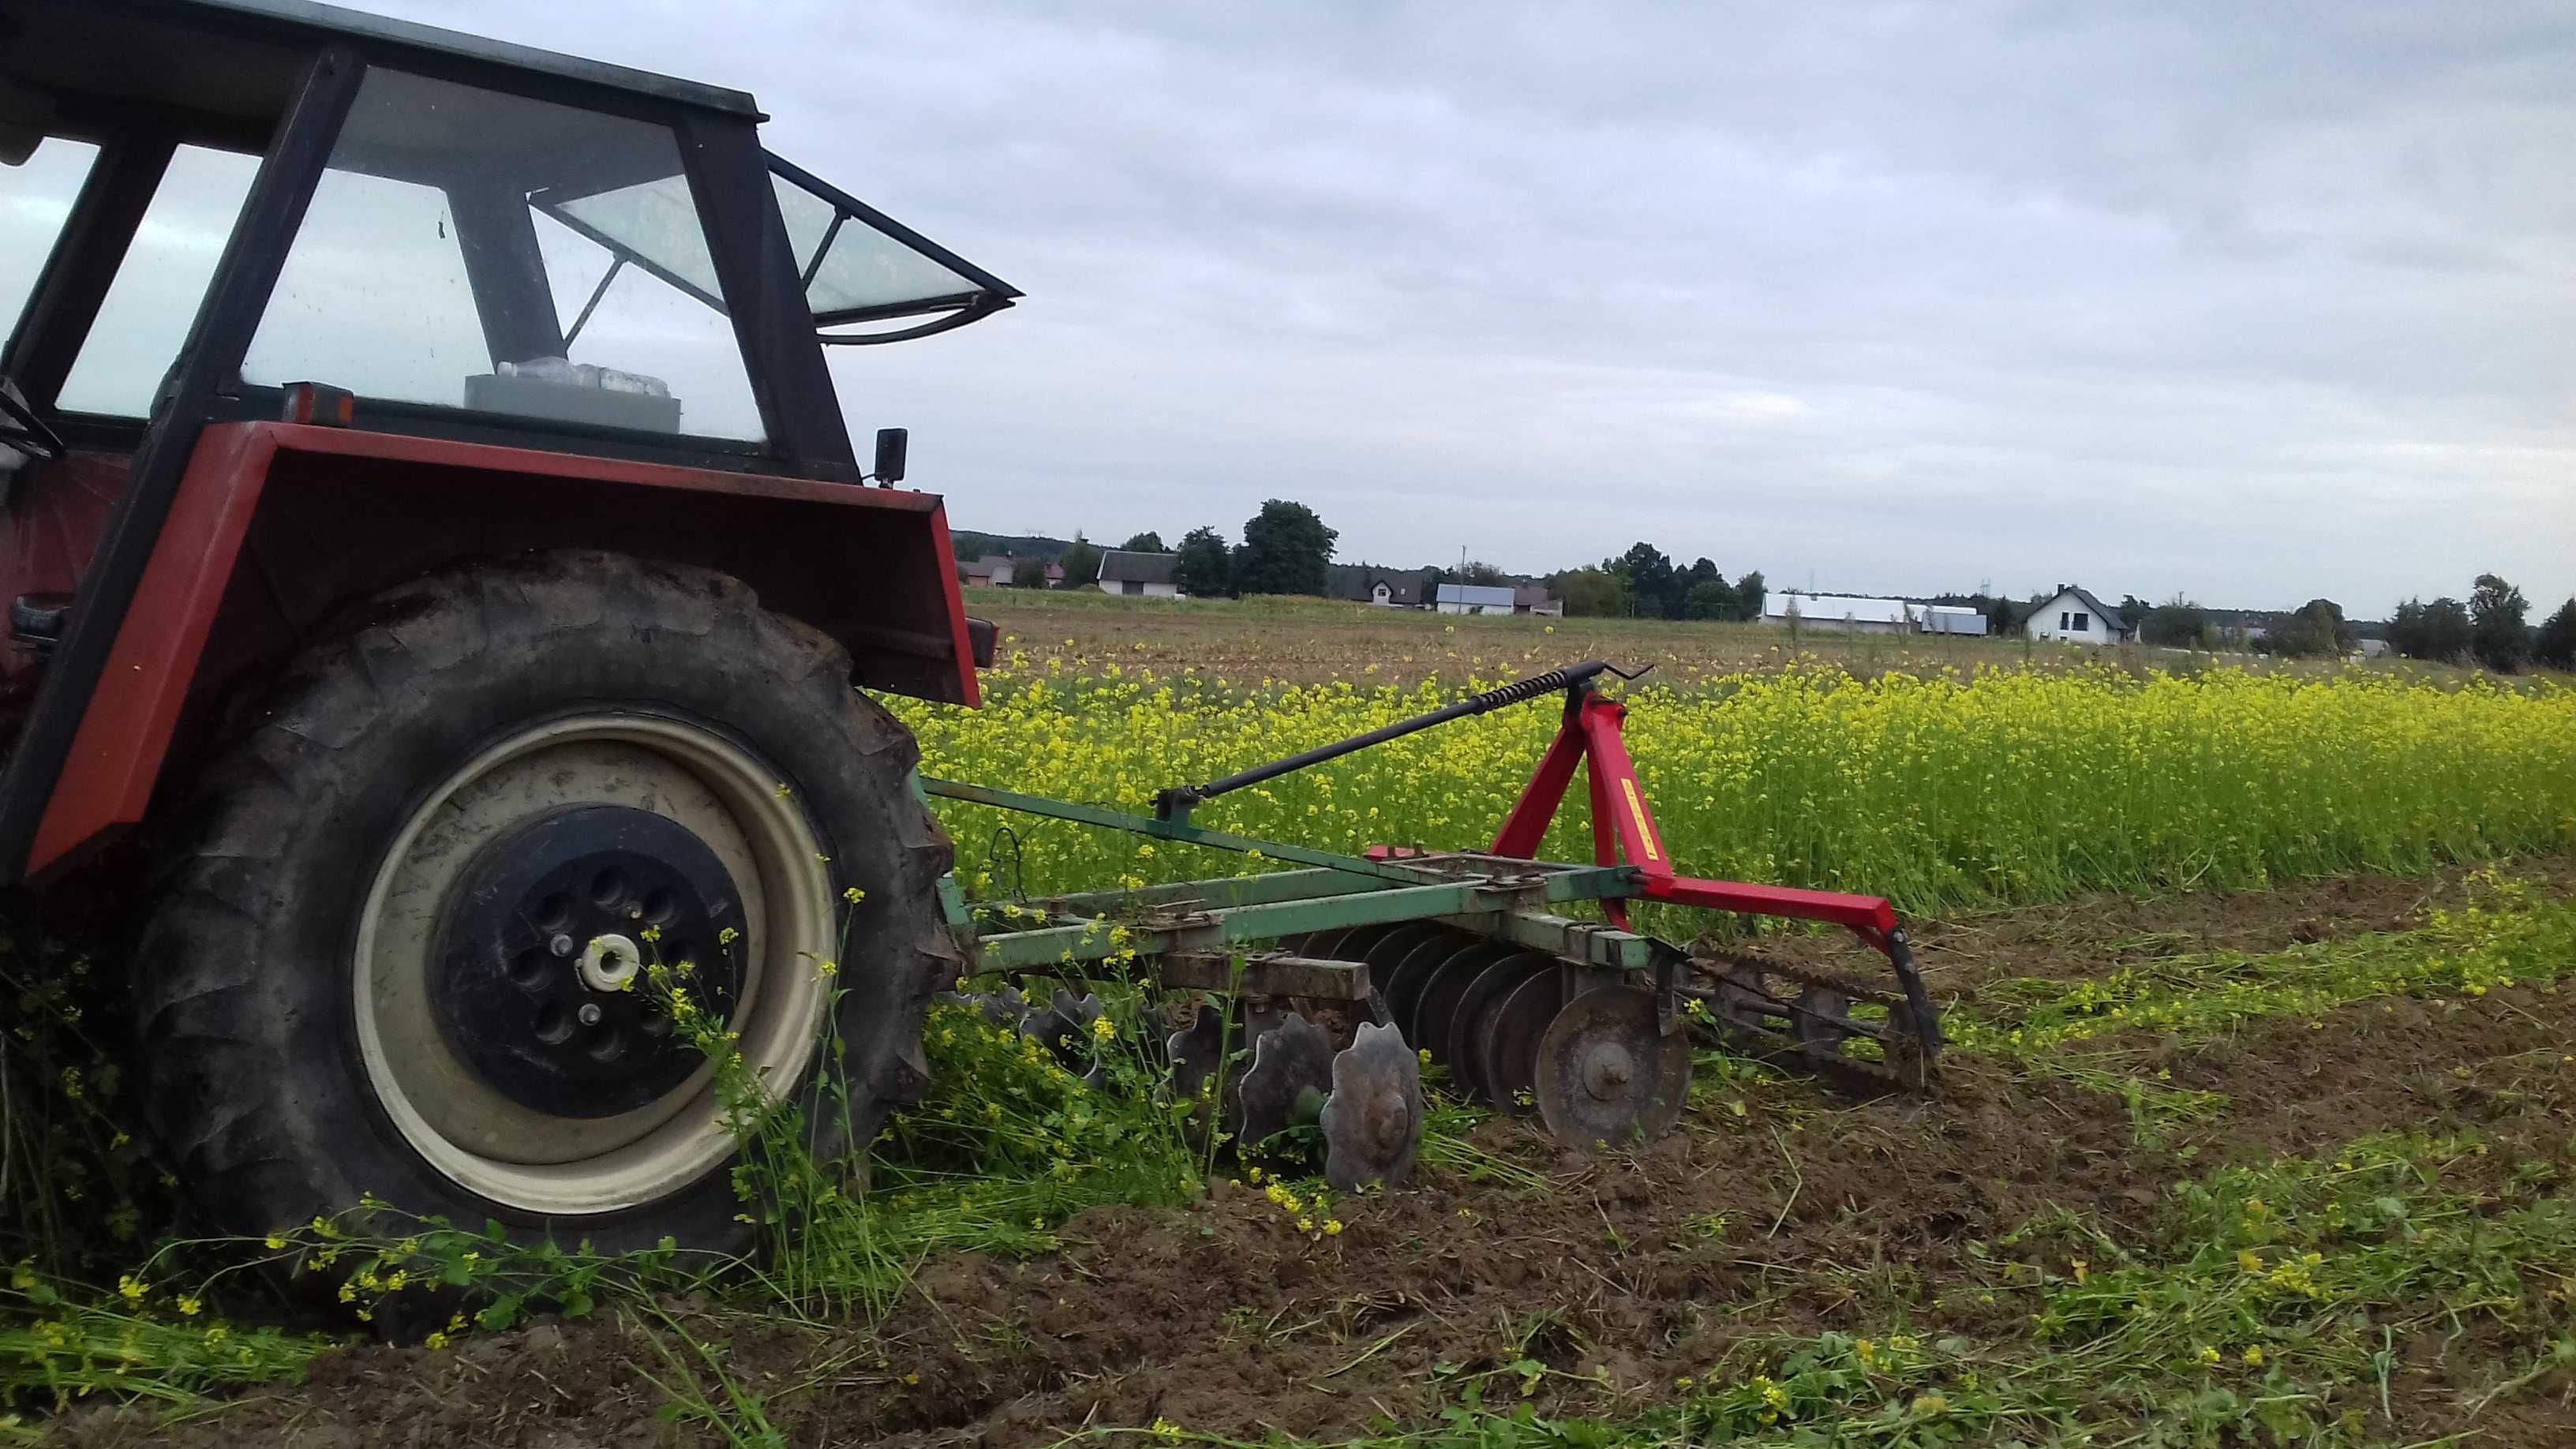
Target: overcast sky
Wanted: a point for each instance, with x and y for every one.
(2252, 302)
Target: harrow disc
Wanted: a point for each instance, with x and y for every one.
(1372, 1122)
(1606, 1071)
(1197, 1053)
(1403, 985)
(1508, 1032)
(1461, 1034)
(1292, 1069)
(1437, 1005)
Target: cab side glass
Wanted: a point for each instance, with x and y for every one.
(35, 201)
(154, 299)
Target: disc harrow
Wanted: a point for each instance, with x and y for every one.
(1324, 988)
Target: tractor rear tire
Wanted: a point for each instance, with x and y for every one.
(394, 961)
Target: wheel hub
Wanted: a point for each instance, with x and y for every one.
(535, 977)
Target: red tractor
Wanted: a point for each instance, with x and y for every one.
(464, 607)
(433, 542)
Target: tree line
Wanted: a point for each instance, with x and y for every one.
(1286, 549)
(2490, 628)
(1645, 583)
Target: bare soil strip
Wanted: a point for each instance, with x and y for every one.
(1798, 1215)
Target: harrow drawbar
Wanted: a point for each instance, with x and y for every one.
(1321, 991)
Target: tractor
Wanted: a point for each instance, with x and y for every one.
(441, 582)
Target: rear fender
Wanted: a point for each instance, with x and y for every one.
(277, 526)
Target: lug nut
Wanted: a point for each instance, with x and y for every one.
(589, 1013)
(561, 945)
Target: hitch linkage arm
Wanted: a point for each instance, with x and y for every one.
(1176, 802)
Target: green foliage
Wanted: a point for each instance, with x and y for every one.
(78, 1198)
(2555, 648)
(1205, 570)
(1653, 585)
(2507, 934)
(1590, 593)
(2497, 634)
(2177, 623)
(1750, 592)
(2316, 631)
(1713, 599)
(1081, 564)
(1286, 550)
(2438, 631)
(1146, 542)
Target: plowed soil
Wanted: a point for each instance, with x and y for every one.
(1800, 1214)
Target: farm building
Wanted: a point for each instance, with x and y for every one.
(1369, 584)
(1949, 619)
(2074, 615)
(1535, 599)
(992, 571)
(1846, 613)
(1858, 614)
(1474, 599)
(1140, 575)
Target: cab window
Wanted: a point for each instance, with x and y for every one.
(482, 251)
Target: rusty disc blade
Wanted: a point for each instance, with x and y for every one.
(1428, 1027)
(1607, 1074)
(1464, 1031)
(1292, 1069)
(1373, 1120)
(1509, 1034)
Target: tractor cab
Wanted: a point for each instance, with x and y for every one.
(338, 300)
(455, 236)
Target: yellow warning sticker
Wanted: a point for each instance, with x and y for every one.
(1645, 827)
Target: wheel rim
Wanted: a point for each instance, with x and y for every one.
(640, 1123)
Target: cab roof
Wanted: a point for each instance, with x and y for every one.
(244, 58)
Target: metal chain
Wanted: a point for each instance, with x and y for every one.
(1907, 1060)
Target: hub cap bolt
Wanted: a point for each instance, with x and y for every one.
(589, 1013)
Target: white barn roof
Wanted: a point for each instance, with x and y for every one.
(1489, 595)
(1853, 607)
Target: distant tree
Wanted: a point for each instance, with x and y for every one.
(1081, 563)
(1712, 598)
(2436, 631)
(2556, 646)
(1147, 542)
(1286, 550)
(1750, 591)
(1204, 570)
(1701, 571)
(2134, 612)
(1477, 571)
(2317, 630)
(1030, 573)
(2176, 623)
(1595, 593)
(2497, 634)
(2002, 618)
(1651, 580)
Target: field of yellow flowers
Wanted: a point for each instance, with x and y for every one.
(1938, 792)
(2291, 1167)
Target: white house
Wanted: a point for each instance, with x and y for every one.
(1140, 575)
(1473, 599)
(2078, 618)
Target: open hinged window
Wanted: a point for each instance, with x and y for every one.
(860, 265)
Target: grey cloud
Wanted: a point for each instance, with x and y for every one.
(2255, 302)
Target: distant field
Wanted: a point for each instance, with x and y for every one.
(1307, 641)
